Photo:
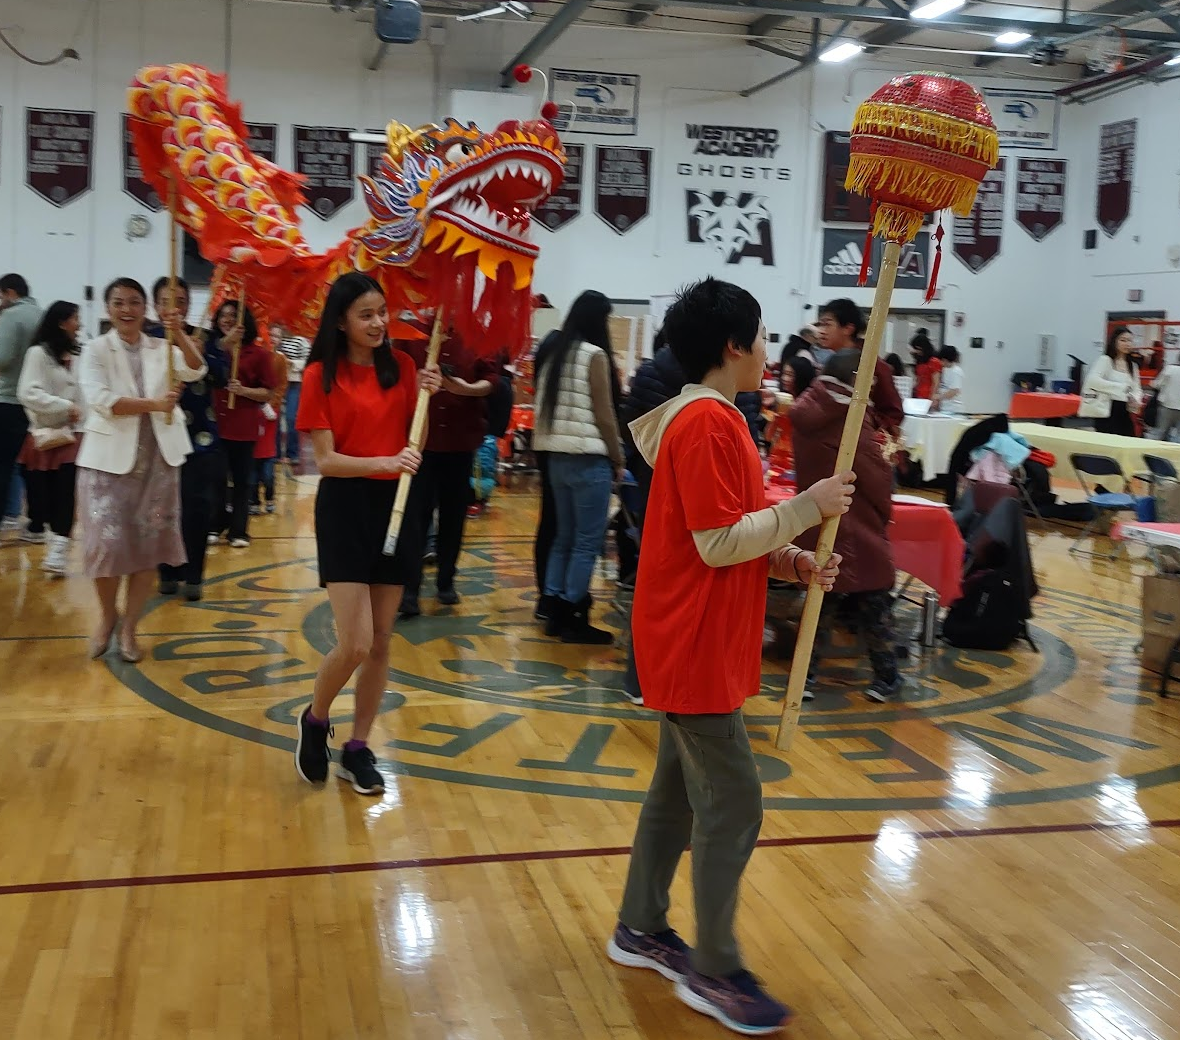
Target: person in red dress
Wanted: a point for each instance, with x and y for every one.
(357, 405)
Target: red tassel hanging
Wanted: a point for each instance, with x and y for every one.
(863, 278)
(932, 288)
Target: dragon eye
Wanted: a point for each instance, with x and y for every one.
(459, 152)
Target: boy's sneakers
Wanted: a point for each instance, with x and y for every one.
(359, 768)
(737, 1002)
(311, 751)
(664, 952)
(881, 691)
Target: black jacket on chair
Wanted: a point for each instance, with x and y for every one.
(974, 437)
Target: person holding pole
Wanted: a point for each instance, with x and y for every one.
(710, 544)
(357, 406)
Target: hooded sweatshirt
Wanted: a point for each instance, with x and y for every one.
(700, 597)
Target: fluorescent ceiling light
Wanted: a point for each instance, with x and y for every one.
(1173, 61)
(936, 8)
(1012, 37)
(841, 52)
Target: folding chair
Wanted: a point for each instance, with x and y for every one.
(1156, 467)
(1106, 504)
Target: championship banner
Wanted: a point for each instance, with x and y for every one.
(595, 102)
(977, 238)
(565, 204)
(133, 182)
(326, 156)
(1040, 195)
(622, 186)
(59, 153)
(1025, 119)
(1116, 173)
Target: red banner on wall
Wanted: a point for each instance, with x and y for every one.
(263, 139)
(59, 153)
(622, 186)
(566, 203)
(1040, 195)
(977, 237)
(1116, 173)
(326, 156)
(839, 203)
(133, 182)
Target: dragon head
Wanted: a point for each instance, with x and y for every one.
(455, 190)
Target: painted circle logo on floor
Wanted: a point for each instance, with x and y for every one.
(477, 695)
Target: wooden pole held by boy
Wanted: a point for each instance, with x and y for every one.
(233, 365)
(849, 439)
(417, 436)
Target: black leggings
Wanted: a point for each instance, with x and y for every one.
(51, 499)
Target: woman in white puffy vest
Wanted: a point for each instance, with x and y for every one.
(576, 424)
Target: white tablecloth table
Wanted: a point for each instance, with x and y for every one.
(932, 438)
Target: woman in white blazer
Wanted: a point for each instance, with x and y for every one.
(48, 390)
(129, 462)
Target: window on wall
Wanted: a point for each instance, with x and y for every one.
(194, 268)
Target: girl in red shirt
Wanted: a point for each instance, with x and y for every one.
(927, 368)
(357, 404)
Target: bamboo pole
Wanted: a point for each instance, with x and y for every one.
(171, 346)
(233, 365)
(417, 436)
(844, 459)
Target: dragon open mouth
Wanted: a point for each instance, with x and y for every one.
(497, 203)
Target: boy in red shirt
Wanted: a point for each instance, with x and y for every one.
(710, 544)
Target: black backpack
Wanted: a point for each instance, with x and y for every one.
(989, 615)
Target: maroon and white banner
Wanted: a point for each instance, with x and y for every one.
(1040, 195)
(1116, 173)
(59, 153)
(373, 155)
(133, 182)
(263, 140)
(622, 186)
(977, 237)
(566, 203)
(326, 156)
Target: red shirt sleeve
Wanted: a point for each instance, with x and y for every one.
(313, 402)
(407, 382)
(706, 460)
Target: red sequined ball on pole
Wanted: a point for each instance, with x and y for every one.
(522, 73)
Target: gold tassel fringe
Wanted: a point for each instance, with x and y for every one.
(946, 133)
(874, 176)
(897, 223)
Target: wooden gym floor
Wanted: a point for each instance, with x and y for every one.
(997, 856)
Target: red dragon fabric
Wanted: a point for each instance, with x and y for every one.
(450, 211)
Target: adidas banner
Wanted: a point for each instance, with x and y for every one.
(843, 254)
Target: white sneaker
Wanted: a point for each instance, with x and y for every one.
(213, 539)
(33, 537)
(57, 556)
(239, 543)
(12, 525)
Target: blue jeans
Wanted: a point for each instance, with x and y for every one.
(290, 410)
(581, 494)
(15, 506)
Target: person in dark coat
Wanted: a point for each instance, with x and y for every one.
(658, 379)
(867, 572)
(842, 326)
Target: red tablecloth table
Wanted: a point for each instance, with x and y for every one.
(926, 543)
(1043, 406)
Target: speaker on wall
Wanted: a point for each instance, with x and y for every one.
(398, 21)
(1090, 239)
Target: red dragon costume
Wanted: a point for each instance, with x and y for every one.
(449, 210)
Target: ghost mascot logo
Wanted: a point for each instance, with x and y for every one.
(734, 142)
(737, 225)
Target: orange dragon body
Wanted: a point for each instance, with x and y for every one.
(449, 210)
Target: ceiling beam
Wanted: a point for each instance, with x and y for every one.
(569, 13)
(640, 13)
(1077, 25)
(803, 63)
